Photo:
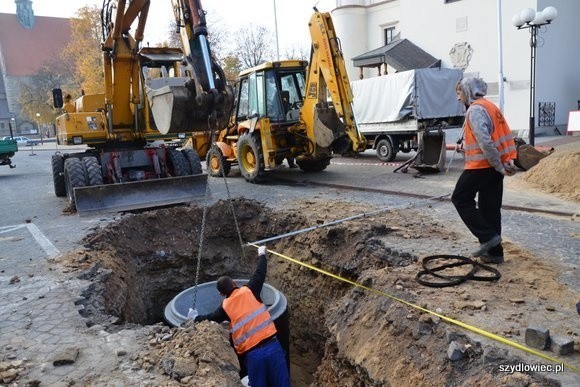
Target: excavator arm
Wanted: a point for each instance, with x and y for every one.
(327, 77)
(209, 93)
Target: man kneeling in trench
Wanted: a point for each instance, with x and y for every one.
(252, 329)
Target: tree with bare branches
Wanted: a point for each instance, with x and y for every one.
(254, 45)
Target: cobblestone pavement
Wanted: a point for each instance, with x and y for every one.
(41, 324)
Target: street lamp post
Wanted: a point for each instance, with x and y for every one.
(533, 20)
(12, 126)
(276, 30)
(38, 126)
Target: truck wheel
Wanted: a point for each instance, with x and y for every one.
(193, 160)
(74, 176)
(178, 164)
(385, 150)
(214, 159)
(57, 162)
(313, 165)
(93, 171)
(250, 157)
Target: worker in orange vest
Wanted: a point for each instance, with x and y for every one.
(252, 329)
(490, 152)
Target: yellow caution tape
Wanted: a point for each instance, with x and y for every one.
(471, 328)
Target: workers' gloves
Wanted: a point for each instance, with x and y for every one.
(192, 314)
(262, 250)
(510, 168)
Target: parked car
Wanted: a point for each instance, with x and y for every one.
(21, 140)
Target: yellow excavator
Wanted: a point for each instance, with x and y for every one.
(152, 98)
(290, 109)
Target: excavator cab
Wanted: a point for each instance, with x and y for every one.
(274, 90)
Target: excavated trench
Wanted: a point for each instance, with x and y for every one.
(340, 335)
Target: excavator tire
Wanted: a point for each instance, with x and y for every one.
(178, 164)
(94, 174)
(313, 165)
(57, 162)
(193, 160)
(214, 159)
(74, 176)
(250, 157)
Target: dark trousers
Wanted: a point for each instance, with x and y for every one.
(483, 220)
(267, 366)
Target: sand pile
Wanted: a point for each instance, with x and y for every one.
(557, 173)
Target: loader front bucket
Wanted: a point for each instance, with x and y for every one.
(135, 195)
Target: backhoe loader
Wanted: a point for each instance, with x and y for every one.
(290, 109)
(151, 98)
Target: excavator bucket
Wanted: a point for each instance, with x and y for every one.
(175, 107)
(171, 105)
(135, 195)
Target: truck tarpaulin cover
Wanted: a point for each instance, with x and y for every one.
(419, 94)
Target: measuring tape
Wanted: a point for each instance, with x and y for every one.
(471, 328)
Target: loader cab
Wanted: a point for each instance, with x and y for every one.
(274, 90)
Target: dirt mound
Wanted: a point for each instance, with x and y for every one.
(340, 334)
(195, 355)
(557, 173)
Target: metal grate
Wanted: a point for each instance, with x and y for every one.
(546, 113)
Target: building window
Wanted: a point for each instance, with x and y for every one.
(389, 34)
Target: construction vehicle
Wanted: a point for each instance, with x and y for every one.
(133, 131)
(8, 147)
(290, 109)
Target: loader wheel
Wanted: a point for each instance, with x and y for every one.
(193, 160)
(74, 176)
(178, 164)
(57, 162)
(385, 150)
(314, 165)
(250, 157)
(93, 170)
(214, 159)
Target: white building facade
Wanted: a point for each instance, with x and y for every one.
(468, 34)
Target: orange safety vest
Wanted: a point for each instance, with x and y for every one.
(501, 136)
(250, 321)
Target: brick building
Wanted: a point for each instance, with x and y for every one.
(27, 43)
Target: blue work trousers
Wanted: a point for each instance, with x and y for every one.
(267, 366)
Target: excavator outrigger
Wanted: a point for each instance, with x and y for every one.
(153, 97)
(290, 109)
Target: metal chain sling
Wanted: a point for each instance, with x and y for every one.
(204, 217)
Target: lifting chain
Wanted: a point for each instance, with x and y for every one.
(212, 122)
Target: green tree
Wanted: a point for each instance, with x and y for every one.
(35, 94)
(232, 65)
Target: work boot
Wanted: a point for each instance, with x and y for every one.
(489, 258)
(486, 246)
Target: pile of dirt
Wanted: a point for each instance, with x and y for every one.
(557, 173)
(194, 355)
(340, 334)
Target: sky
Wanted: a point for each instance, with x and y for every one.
(292, 16)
